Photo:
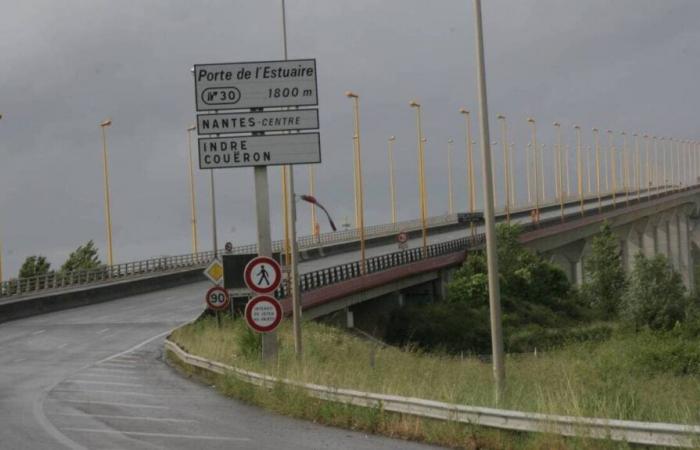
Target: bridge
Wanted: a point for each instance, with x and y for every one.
(82, 350)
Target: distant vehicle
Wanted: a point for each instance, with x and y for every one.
(475, 217)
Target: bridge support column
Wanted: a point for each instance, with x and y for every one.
(674, 247)
(633, 246)
(687, 267)
(569, 259)
(649, 241)
(662, 237)
(349, 318)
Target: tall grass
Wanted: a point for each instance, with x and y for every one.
(620, 378)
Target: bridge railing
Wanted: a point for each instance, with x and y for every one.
(76, 279)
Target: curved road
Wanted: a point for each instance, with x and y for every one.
(94, 378)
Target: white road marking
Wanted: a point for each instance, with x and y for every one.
(109, 375)
(109, 416)
(117, 365)
(38, 332)
(103, 331)
(104, 382)
(114, 370)
(165, 435)
(103, 391)
(129, 405)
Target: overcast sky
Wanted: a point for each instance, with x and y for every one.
(64, 66)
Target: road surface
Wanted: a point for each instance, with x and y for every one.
(94, 378)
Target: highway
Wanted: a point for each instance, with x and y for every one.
(94, 378)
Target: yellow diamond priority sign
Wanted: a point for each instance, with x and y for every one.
(215, 271)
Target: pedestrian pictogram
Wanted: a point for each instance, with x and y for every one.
(217, 298)
(263, 313)
(215, 271)
(262, 275)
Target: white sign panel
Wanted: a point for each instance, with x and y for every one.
(248, 122)
(269, 150)
(255, 84)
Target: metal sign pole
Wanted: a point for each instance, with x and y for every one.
(262, 209)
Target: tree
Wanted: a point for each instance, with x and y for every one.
(605, 277)
(34, 266)
(83, 258)
(655, 297)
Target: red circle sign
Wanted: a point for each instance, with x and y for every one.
(263, 313)
(262, 275)
(402, 237)
(217, 298)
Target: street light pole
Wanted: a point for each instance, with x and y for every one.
(558, 179)
(579, 169)
(471, 183)
(421, 176)
(108, 211)
(532, 122)
(392, 184)
(491, 252)
(358, 171)
(596, 135)
(450, 205)
(193, 206)
(506, 164)
(625, 168)
(638, 166)
(613, 174)
(312, 192)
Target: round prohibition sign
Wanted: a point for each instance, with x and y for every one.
(402, 237)
(263, 313)
(217, 298)
(262, 275)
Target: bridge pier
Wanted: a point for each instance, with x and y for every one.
(570, 259)
(687, 266)
(649, 241)
(662, 239)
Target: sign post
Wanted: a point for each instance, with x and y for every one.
(252, 86)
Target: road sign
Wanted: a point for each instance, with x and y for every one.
(249, 122)
(262, 275)
(217, 298)
(402, 237)
(215, 271)
(228, 247)
(249, 151)
(263, 313)
(262, 84)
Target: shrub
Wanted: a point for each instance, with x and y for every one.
(605, 277)
(655, 297)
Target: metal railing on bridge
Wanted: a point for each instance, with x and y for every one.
(104, 274)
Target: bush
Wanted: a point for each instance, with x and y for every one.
(34, 266)
(605, 276)
(655, 297)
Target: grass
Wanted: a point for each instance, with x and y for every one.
(625, 377)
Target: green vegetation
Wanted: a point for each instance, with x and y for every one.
(34, 266)
(605, 277)
(540, 308)
(643, 363)
(639, 376)
(83, 258)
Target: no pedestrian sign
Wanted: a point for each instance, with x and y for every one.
(262, 275)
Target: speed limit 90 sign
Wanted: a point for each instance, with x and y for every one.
(217, 298)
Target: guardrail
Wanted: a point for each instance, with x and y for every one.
(634, 432)
(63, 280)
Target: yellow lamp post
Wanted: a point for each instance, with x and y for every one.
(613, 174)
(579, 169)
(625, 168)
(358, 177)
(638, 166)
(557, 173)
(421, 175)
(312, 190)
(450, 205)
(471, 183)
(108, 212)
(285, 214)
(533, 144)
(392, 183)
(506, 165)
(193, 207)
(596, 136)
